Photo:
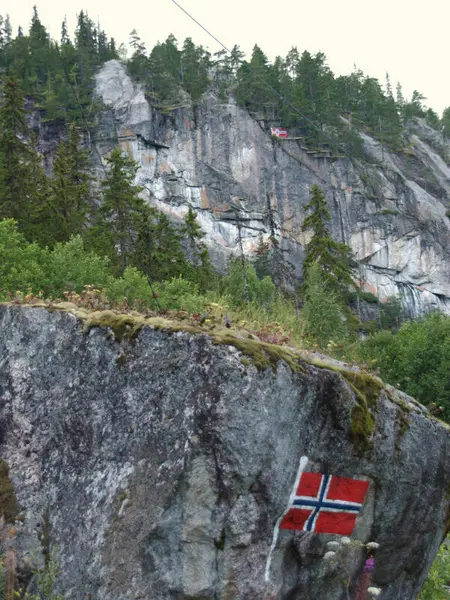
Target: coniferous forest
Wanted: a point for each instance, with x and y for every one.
(65, 234)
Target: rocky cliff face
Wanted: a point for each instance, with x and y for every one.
(159, 466)
(390, 208)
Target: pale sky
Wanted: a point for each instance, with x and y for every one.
(407, 38)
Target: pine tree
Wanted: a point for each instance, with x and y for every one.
(203, 271)
(138, 64)
(333, 258)
(118, 217)
(64, 33)
(251, 90)
(389, 87)
(39, 230)
(445, 122)
(165, 71)
(70, 198)
(158, 252)
(322, 310)
(15, 156)
(195, 62)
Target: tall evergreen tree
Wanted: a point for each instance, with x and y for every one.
(138, 64)
(165, 71)
(158, 252)
(118, 217)
(15, 156)
(202, 271)
(445, 122)
(322, 310)
(333, 258)
(70, 196)
(39, 230)
(195, 62)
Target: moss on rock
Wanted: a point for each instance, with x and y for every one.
(362, 426)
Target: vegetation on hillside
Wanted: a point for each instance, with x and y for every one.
(66, 236)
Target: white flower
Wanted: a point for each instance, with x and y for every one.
(333, 545)
(373, 591)
(372, 546)
(329, 555)
(346, 541)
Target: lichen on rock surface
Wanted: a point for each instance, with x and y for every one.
(160, 458)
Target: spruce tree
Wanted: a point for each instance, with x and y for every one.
(15, 156)
(70, 197)
(158, 252)
(195, 62)
(322, 310)
(203, 271)
(333, 258)
(118, 217)
(39, 230)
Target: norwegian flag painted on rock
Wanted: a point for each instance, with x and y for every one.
(325, 504)
(280, 132)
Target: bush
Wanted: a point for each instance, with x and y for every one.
(71, 267)
(416, 359)
(133, 286)
(436, 586)
(324, 320)
(261, 291)
(22, 265)
(179, 294)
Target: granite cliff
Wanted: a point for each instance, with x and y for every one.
(157, 459)
(390, 208)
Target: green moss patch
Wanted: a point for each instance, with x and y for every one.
(366, 389)
(8, 503)
(362, 426)
(261, 354)
(128, 326)
(365, 386)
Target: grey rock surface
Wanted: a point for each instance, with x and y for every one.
(158, 467)
(389, 208)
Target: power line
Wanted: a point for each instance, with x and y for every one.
(285, 100)
(266, 83)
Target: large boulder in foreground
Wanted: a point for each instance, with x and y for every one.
(159, 463)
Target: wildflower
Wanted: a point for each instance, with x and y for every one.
(372, 546)
(346, 541)
(369, 565)
(333, 545)
(374, 591)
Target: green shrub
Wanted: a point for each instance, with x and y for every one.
(436, 586)
(71, 267)
(22, 265)
(133, 285)
(324, 320)
(179, 294)
(242, 285)
(416, 359)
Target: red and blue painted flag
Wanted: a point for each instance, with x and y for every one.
(325, 504)
(280, 132)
